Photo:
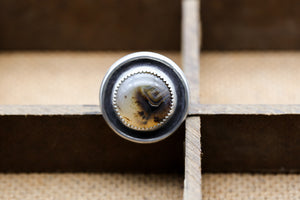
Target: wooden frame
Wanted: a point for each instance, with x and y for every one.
(231, 134)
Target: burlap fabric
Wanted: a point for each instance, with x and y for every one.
(144, 187)
(75, 77)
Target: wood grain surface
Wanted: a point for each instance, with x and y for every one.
(244, 109)
(190, 61)
(47, 142)
(191, 46)
(146, 24)
(81, 143)
(193, 177)
(195, 109)
(251, 24)
(254, 143)
(90, 25)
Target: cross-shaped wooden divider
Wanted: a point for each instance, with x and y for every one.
(75, 138)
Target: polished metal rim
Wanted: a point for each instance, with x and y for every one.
(157, 62)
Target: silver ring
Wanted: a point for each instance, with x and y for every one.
(144, 97)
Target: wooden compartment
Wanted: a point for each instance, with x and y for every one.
(87, 38)
(50, 120)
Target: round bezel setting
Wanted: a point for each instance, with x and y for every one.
(157, 67)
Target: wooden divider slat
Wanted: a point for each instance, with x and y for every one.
(190, 53)
(192, 180)
(195, 109)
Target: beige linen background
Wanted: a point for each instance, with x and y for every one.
(75, 78)
(145, 187)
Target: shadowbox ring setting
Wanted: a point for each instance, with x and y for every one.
(144, 97)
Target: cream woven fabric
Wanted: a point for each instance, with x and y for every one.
(250, 187)
(75, 77)
(90, 187)
(143, 187)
